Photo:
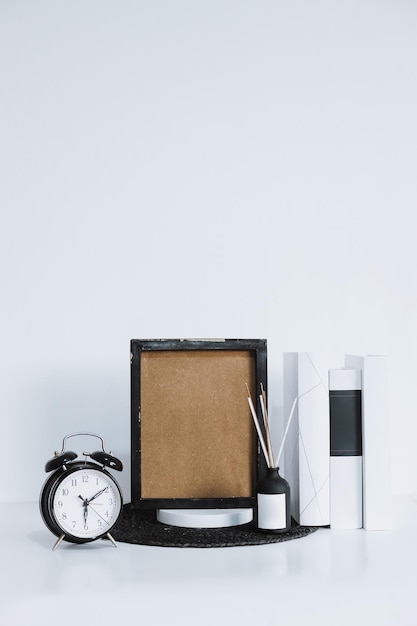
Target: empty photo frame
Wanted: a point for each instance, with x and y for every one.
(193, 442)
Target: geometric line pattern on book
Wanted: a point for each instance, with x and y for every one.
(324, 385)
(315, 369)
(311, 477)
(314, 498)
(316, 491)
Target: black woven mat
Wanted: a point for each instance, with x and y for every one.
(142, 527)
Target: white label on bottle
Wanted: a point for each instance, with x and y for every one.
(272, 514)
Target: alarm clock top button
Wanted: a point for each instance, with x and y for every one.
(107, 460)
(59, 460)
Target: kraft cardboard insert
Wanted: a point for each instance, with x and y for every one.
(197, 445)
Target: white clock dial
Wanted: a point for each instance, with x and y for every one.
(86, 503)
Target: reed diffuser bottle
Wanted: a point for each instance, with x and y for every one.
(273, 502)
(273, 510)
(272, 491)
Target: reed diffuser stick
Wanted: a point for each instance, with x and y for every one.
(258, 429)
(286, 431)
(267, 448)
(262, 399)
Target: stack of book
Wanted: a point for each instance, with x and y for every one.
(337, 452)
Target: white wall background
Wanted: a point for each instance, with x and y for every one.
(199, 169)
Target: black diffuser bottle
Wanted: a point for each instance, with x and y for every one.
(273, 502)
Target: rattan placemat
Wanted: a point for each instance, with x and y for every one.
(142, 527)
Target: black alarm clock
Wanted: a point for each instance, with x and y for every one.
(81, 501)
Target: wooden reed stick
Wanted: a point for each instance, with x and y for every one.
(267, 448)
(262, 399)
(258, 429)
(286, 431)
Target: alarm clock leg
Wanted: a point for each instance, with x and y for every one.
(56, 544)
(111, 539)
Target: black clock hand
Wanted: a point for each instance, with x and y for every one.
(85, 505)
(97, 495)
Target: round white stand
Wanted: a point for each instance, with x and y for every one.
(204, 518)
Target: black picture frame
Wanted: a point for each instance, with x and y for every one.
(144, 351)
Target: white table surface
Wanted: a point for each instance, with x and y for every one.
(330, 577)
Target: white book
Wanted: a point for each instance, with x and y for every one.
(345, 448)
(377, 504)
(307, 448)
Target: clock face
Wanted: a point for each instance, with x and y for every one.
(85, 503)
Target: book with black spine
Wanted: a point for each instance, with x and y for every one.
(345, 402)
